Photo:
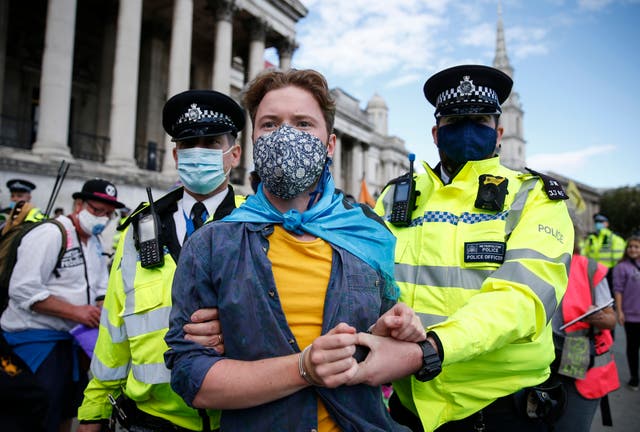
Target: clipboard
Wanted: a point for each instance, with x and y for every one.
(587, 314)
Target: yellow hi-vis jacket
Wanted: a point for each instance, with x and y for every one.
(486, 282)
(605, 247)
(129, 353)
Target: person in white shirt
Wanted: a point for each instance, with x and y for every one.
(48, 297)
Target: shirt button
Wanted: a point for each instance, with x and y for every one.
(272, 294)
(291, 341)
(377, 282)
(314, 430)
(264, 249)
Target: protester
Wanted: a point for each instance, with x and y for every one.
(47, 298)
(626, 286)
(59, 211)
(483, 259)
(288, 346)
(128, 362)
(584, 362)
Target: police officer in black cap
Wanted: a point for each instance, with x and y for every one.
(204, 124)
(20, 197)
(482, 254)
(20, 189)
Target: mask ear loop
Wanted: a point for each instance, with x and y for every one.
(324, 176)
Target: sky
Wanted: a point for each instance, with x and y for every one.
(576, 69)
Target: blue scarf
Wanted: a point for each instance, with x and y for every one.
(329, 219)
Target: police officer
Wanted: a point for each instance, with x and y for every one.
(20, 191)
(604, 245)
(128, 359)
(482, 256)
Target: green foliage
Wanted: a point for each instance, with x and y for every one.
(622, 207)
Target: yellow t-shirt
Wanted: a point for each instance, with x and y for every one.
(301, 270)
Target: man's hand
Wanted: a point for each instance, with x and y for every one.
(400, 322)
(603, 319)
(389, 359)
(205, 329)
(330, 360)
(88, 315)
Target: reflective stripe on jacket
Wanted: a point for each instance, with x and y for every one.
(129, 353)
(486, 282)
(602, 377)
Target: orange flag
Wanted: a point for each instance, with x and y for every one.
(365, 197)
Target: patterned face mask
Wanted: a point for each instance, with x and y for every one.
(288, 161)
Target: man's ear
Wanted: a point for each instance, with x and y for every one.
(434, 134)
(236, 155)
(175, 155)
(499, 132)
(331, 145)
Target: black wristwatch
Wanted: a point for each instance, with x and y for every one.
(431, 363)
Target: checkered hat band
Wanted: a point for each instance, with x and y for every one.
(453, 219)
(206, 116)
(480, 94)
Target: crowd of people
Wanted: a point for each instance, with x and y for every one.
(464, 288)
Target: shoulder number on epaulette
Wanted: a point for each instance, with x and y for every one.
(552, 187)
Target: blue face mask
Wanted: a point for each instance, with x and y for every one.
(201, 170)
(467, 140)
(12, 204)
(599, 226)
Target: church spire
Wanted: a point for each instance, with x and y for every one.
(501, 60)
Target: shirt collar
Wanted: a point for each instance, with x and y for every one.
(210, 203)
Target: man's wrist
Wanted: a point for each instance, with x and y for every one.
(303, 370)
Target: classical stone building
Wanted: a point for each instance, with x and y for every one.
(86, 80)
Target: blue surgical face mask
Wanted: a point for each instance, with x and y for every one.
(12, 204)
(599, 226)
(201, 170)
(466, 141)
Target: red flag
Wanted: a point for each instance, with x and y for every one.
(365, 197)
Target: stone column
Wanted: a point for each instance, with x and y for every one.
(223, 44)
(254, 66)
(179, 68)
(124, 96)
(357, 168)
(4, 25)
(106, 74)
(286, 47)
(55, 82)
(337, 162)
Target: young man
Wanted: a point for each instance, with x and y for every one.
(483, 259)
(47, 300)
(128, 362)
(295, 273)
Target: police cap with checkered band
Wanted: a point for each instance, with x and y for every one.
(468, 90)
(201, 113)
